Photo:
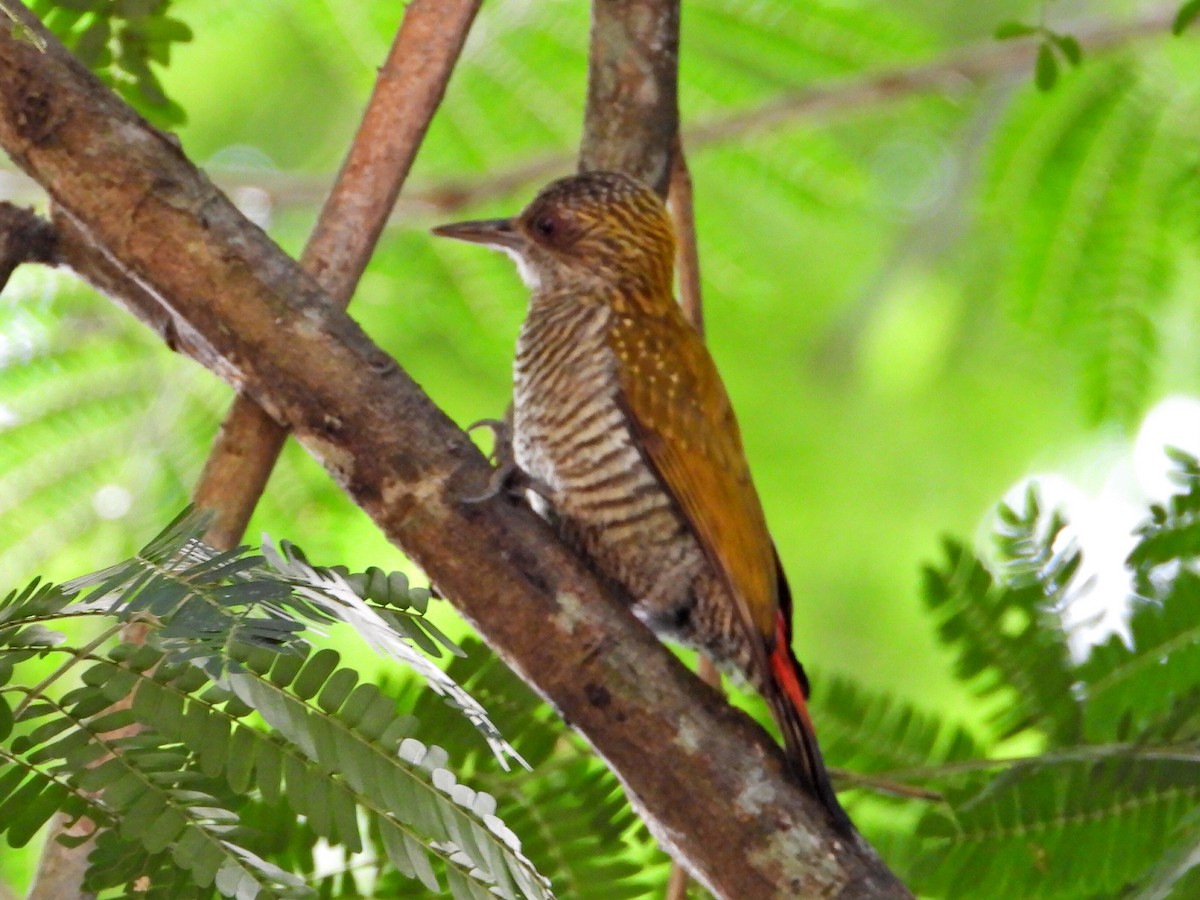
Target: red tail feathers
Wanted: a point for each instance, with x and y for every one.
(787, 697)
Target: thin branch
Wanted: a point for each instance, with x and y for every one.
(687, 267)
(718, 788)
(408, 90)
(1188, 753)
(687, 254)
(951, 75)
(883, 785)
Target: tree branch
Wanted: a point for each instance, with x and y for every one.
(710, 782)
(408, 90)
(632, 113)
(687, 266)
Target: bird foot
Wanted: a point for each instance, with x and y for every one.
(509, 478)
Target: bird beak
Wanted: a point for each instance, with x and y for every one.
(499, 233)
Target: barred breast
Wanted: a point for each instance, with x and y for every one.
(571, 434)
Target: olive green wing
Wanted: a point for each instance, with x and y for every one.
(682, 417)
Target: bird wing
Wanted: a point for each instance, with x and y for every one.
(685, 425)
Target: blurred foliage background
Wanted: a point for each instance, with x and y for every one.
(918, 296)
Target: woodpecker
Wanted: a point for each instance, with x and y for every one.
(622, 421)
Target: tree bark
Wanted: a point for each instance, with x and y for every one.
(710, 783)
(632, 111)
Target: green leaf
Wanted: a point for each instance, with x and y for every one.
(1006, 31)
(1186, 15)
(1084, 184)
(1008, 640)
(6, 716)
(164, 30)
(1045, 68)
(1136, 687)
(873, 732)
(1069, 46)
(92, 45)
(316, 673)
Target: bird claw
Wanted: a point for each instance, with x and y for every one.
(509, 478)
(501, 430)
(502, 480)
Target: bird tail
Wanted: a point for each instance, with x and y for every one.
(787, 695)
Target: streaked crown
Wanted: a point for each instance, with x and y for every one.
(596, 228)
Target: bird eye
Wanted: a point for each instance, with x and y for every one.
(545, 226)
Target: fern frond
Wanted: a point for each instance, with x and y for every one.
(1148, 686)
(336, 748)
(205, 601)
(571, 812)
(1171, 533)
(79, 761)
(1055, 830)
(1005, 634)
(332, 726)
(874, 732)
(1133, 690)
(1083, 184)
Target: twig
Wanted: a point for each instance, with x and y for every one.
(687, 266)
(1188, 753)
(687, 254)
(883, 785)
(950, 74)
(408, 90)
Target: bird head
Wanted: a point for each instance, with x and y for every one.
(583, 231)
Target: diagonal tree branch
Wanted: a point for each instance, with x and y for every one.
(408, 90)
(711, 783)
